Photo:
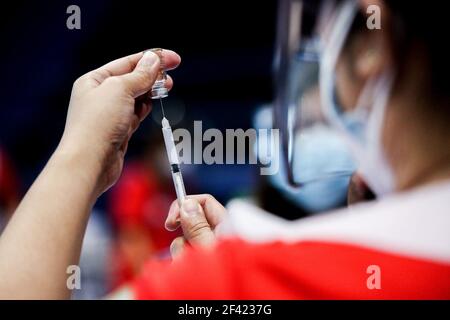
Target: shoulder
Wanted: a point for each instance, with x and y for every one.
(238, 269)
(414, 224)
(330, 256)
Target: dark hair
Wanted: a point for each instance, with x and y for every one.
(412, 26)
(421, 26)
(424, 25)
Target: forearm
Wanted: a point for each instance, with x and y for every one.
(45, 233)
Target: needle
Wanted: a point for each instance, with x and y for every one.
(162, 108)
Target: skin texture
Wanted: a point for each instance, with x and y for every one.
(45, 233)
(198, 217)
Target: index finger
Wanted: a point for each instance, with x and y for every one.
(212, 208)
(127, 64)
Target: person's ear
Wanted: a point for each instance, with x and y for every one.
(369, 60)
(373, 52)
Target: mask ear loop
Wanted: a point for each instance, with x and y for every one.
(376, 161)
(330, 54)
(369, 156)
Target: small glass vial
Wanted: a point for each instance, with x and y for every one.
(159, 89)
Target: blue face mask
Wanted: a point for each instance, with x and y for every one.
(321, 162)
(325, 165)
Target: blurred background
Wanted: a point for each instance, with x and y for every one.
(225, 75)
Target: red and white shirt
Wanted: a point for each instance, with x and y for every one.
(397, 248)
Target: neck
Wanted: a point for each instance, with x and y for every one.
(428, 175)
(417, 140)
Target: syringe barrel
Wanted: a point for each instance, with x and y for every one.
(179, 185)
(173, 160)
(170, 145)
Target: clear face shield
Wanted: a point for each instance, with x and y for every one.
(317, 134)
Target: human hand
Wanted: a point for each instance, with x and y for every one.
(106, 107)
(198, 217)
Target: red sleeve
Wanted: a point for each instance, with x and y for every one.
(304, 270)
(198, 274)
(9, 186)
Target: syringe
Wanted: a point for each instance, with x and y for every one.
(173, 160)
(160, 91)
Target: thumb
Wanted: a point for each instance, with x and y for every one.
(195, 227)
(141, 79)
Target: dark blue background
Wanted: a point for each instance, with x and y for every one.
(226, 49)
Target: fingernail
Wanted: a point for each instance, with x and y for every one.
(166, 225)
(170, 227)
(149, 58)
(190, 207)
